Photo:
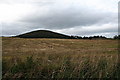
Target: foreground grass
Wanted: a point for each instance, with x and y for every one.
(59, 58)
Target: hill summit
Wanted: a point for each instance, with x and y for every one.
(43, 34)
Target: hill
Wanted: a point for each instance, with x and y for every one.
(43, 34)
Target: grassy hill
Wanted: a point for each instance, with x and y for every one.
(43, 34)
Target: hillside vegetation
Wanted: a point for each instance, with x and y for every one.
(60, 58)
(43, 34)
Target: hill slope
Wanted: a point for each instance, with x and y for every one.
(43, 34)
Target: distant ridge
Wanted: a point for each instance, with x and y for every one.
(43, 34)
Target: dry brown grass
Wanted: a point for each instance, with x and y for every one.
(62, 58)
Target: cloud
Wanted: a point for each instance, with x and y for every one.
(78, 17)
(89, 30)
(69, 15)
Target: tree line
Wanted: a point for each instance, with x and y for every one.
(94, 37)
(116, 37)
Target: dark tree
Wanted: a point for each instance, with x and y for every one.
(116, 37)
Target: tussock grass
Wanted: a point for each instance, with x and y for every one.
(59, 58)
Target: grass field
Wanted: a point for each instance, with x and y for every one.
(60, 58)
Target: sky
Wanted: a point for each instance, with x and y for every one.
(70, 17)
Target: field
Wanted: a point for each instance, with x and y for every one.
(59, 58)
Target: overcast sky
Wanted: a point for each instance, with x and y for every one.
(71, 17)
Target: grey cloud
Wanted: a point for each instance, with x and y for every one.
(13, 28)
(107, 28)
(52, 15)
(69, 17)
